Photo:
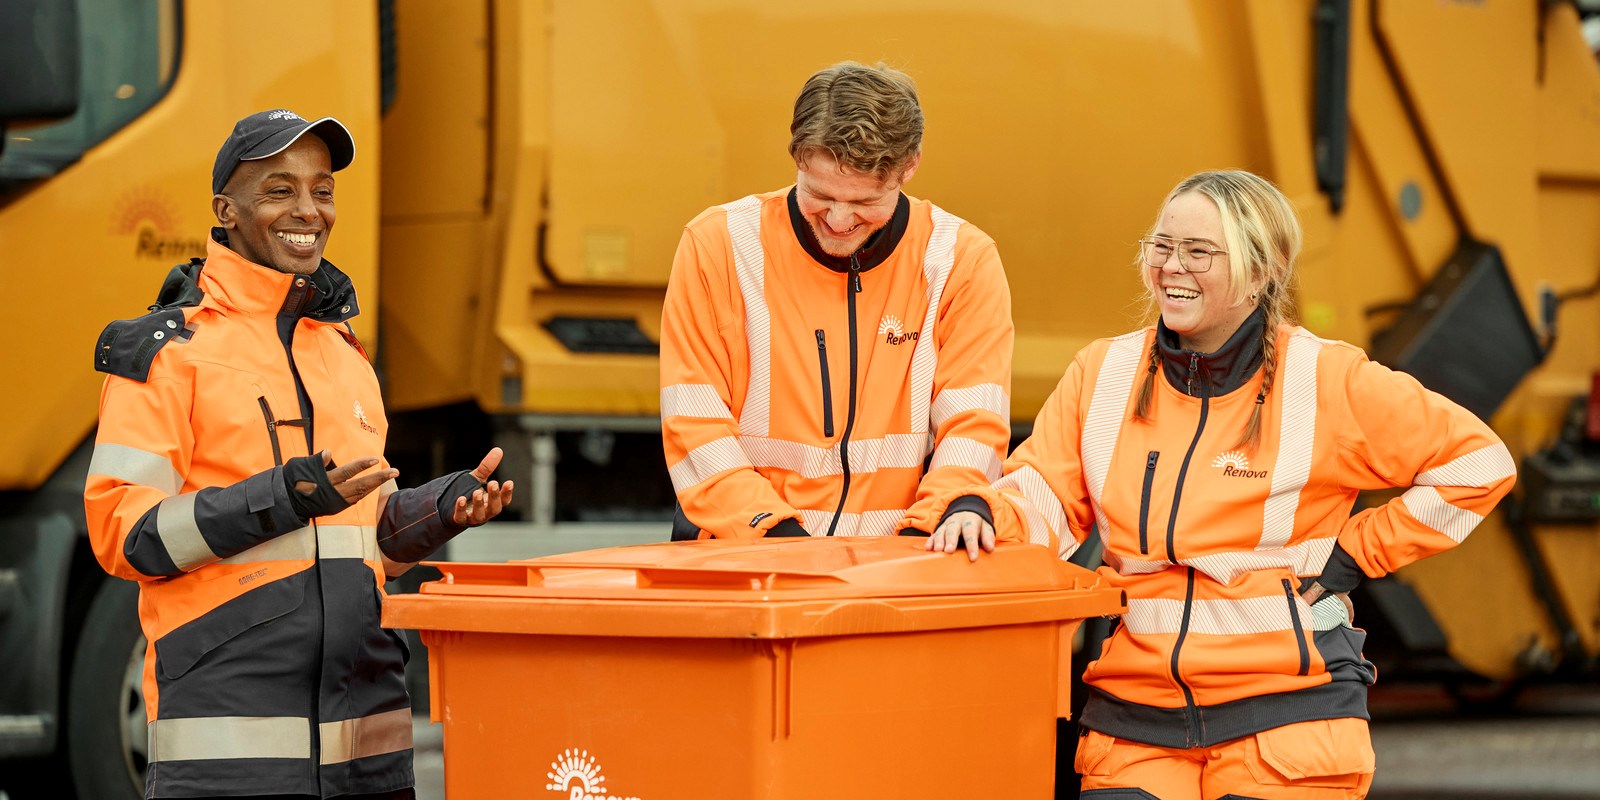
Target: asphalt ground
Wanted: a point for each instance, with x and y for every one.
(1545, 747)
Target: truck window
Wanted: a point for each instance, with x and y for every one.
(130, 54)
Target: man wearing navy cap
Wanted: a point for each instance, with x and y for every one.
(238, 476)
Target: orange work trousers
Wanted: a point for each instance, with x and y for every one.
(1317, 760)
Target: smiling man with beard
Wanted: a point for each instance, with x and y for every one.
(238, 476)
(835, 352)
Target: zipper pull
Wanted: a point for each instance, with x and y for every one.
(855, 274)
(1194, 367)
(822, 342)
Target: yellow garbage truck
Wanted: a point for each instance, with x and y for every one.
(525, 167)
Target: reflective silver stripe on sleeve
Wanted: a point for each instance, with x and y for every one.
(1103, 422)
(180, 533)
(707, 460)
(1298, 404)
(1130, 566)
(389, 487)
(1040, 506)
(206, 738)
(749, 263)
(348, 541)
(132, 465)
(693, 400)
(350, 739)
(1478, 468)
(989, 397)
(937, 262)
(1431, 509)
(296, 545)
(959, 451)
(1213, 617)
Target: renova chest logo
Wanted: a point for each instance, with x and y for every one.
(893, 332)
(361, 417)
(1235, 464)
(576, 775)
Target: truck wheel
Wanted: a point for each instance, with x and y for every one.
(106, 740)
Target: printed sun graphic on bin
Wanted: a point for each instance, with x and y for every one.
(1232, 458)
(575, 765)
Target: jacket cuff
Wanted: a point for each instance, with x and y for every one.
(787, 527)
(968, 502)
(417, 522)
(1341, 573)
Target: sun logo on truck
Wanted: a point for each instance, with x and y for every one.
(576, 774)
(893, 331)
(1234, 464)
(151, 218)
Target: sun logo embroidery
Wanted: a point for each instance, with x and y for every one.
(361, 417)
(1234, 464)
(893, 331)
(576, 775)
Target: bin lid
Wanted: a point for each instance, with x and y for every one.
(763, 588)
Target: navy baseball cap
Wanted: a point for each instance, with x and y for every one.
(267, 133)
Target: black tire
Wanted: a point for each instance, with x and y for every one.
(106, 739)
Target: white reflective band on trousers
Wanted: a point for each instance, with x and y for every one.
(212, 738)
(350, 739)
(206, 738)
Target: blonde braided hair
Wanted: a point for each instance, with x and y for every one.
(1262, 236)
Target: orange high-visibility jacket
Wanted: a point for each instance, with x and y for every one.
(266, 669)
(804, 388)
(1212, 540)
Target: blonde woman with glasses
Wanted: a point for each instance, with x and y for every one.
(1217, 454)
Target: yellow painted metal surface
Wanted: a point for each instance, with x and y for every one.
(92, 243)
(541, 158)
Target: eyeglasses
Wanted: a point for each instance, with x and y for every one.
(1193, 255)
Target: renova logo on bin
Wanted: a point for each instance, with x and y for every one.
(576, 775)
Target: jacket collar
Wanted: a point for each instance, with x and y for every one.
(326, 295)
(1213, 374)
(875, 251)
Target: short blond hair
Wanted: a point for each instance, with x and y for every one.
(867, 118)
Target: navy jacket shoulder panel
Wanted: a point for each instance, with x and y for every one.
(127, 347)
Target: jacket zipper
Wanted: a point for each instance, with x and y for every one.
(272, 432)
(1299, 632)
(1191, 712)
(827, 390)
(1144, 501)
(286, 335)
(851, 290)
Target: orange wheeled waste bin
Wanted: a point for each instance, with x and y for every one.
(721, 670)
